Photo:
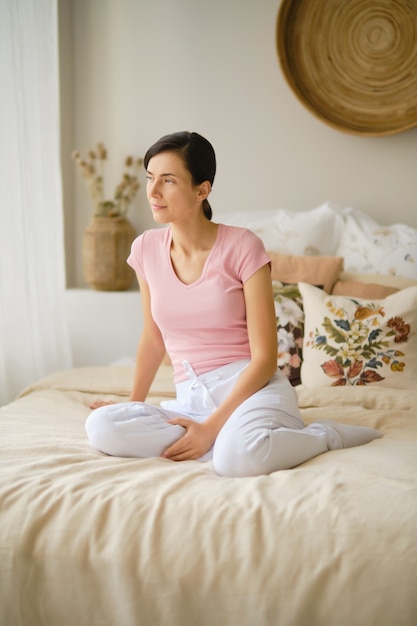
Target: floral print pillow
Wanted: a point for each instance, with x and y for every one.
(356, 341)
(290, 329)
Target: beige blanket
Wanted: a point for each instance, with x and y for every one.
(87, 539)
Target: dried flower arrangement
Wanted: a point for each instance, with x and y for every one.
(92, 170)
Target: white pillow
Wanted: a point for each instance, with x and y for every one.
(368, 247)
(356, 341)
(314, 232)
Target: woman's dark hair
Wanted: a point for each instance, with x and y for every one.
(198, 156)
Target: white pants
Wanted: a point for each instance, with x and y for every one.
(264, 434)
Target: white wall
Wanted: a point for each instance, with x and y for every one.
(141, 69)
(104, 326)
(134, 70)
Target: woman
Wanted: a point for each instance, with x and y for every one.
(207, 300)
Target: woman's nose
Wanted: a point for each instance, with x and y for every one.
(153, 188)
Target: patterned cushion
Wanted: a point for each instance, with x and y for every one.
(354, 341)
(369, 247)
(290, 329)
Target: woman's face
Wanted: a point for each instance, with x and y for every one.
(170, 190)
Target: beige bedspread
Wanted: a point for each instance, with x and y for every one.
(87, 539)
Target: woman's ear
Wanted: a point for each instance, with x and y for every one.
(203, 190)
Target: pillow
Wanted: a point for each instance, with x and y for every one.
(361, 290)
(355, 341)
(290, 329)
(313, 232)
(322, 271)
(369, 247)
(399, 282)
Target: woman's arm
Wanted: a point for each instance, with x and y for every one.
(262, 331)
(151, 349)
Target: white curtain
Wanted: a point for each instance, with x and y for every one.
(34, 338)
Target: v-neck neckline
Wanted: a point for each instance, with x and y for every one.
(206, 262)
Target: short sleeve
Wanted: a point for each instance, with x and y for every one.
(135, 258)
(252, 255)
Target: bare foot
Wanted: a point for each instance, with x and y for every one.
(98, 403)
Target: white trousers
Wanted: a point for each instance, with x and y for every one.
(264, 434)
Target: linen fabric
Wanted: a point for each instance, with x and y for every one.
(312, 232)
(366, 246)
(370, 247)
(34, 333)
(90, 539)
(203, 322)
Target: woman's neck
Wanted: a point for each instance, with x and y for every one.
(188, 237)
(190, 249)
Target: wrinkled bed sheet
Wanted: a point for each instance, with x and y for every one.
(88, 539)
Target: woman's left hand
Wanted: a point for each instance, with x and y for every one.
(98, 403)
(193, 444)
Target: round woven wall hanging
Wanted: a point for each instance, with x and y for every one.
(353, 63)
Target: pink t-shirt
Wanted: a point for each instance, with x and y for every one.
(204, 322)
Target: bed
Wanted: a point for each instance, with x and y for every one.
(89, 539)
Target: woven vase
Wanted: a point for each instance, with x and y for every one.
(106, 246)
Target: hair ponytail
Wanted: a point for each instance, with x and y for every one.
(207, 209)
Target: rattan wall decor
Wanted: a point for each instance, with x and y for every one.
(352, 63)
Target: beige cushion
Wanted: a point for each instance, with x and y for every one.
(322, 271)
(399, 282)
(361, 290)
